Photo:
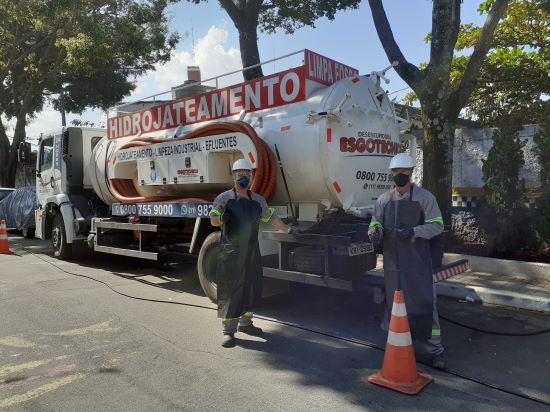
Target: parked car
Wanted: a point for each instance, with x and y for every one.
(17, 209)
(4, 191)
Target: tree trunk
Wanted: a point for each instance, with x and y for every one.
(4, 154)
(10, 168)
(250, 55)
(439, 133)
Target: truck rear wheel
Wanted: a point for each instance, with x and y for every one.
(61, 249)
(207, 264)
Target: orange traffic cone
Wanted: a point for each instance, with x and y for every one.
(4, 245)
(399, 369)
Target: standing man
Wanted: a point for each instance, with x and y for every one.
(405, 219)
(239, 273)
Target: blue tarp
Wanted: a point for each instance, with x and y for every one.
(17, 208)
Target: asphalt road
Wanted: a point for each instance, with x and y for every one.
(68, 343)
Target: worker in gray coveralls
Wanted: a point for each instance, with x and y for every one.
(405, 219)
(239, 271)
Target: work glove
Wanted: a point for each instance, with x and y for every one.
(405, 233)
(375, 235)
(294, 230)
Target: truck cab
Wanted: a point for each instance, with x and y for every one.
(65, 195)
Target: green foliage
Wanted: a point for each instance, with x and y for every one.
(88, 50)
(541, 216)
(270, 15)
(504, 217)
(293, 14)
(513, 80)
(542, 139)
(410, 99)
(288, 15)
(75, 53)
(503, 188)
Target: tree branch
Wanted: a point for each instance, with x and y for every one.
(445, 28)
(460, 96)
(26, 52)
(235, 14)
(408, 72)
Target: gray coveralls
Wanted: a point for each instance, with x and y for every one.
(433, 226)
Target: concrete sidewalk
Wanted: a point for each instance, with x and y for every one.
(522, 285)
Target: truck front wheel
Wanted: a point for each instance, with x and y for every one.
(207, 264)
(61, 249)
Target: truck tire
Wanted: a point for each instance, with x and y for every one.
(61, 249)
(207, 263)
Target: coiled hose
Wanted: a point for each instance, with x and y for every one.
(264, 179)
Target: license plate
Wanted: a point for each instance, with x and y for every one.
(355, 249)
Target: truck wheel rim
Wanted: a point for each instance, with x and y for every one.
(56, 237)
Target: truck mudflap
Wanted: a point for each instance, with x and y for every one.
(163, 209)
(375, 278)
(449, 270)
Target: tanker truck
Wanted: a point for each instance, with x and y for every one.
(319, 136)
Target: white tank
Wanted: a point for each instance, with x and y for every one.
(335, 147)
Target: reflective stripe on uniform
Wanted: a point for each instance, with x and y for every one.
(399, 339)
(436, 332)
(215, 212)
(374, 223)
(435, 220)
(248, 314)
(268, 218)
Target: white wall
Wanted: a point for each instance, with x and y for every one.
(472, 145)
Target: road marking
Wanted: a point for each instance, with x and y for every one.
(97, 328)
(6, 370)
(41, 390)
(15, 342)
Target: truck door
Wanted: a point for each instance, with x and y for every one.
(44, 175)
(49, 173)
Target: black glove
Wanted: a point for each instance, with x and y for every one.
(226, 217)
(375, 235)
(294, 230)
(405, 233)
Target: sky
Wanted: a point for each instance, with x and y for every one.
(210, 40)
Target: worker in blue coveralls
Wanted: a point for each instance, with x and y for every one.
(239, 271)
(405, 218)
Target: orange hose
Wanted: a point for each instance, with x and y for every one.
(264, 179)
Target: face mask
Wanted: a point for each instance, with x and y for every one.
(401, 179)
(243, 181)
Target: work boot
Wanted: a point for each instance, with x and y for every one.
(228, 341)
(251, 330)
(438, 361)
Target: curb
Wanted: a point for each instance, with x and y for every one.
(478, 294)
(535, 270)
(496, 297)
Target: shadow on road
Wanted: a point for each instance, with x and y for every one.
(518, 363)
